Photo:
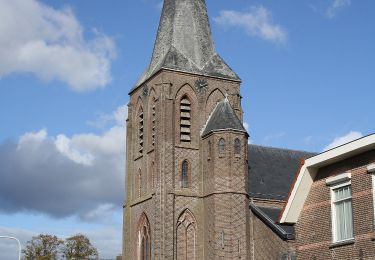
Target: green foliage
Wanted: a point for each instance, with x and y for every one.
(43, 247)
(48, 247)
(78, 247)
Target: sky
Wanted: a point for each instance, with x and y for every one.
(66, 67)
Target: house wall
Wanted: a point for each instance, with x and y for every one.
(314, 227)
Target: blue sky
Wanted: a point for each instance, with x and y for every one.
(66, 67)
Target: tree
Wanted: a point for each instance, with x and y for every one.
(43, 247)
(79, 247)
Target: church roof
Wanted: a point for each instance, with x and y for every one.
(184, 42)
(223, 118)
(272, 170)
(269, 216)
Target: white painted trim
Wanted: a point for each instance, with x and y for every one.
(338, 178)
(333, 211)
(373, 195)
(307, 173)
(371, 168)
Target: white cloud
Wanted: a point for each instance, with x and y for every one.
(38, 39)
(351, 136)
(257, 22)
(77, 175)
(336, 6)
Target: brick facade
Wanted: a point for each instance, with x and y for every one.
(217, 197)
(314, 227)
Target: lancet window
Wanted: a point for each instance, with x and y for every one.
(185, 119)
(140, 129)
(185, 174)
(144, 239)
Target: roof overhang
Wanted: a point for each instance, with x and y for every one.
(305, 177)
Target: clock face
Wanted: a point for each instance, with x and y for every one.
(201, 85)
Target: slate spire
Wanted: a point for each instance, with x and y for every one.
(184, 42)
(223, 117)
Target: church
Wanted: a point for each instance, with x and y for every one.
(195, 188)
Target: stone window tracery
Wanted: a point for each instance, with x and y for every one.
(144, 238)
(186, 236)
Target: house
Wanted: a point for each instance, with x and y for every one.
(332, 203)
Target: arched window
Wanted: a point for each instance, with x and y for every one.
(209, 150)
(153, 122)
(152, 171)
(221, 145)
(144, 239)
(185, 174)
(185, 120)
(152, 125)
(237, 146)
(139, 183)
(140, 130)
(186, 236)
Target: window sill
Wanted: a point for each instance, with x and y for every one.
(342, 243)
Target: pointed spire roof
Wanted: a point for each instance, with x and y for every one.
(223, 118)
(184, 42)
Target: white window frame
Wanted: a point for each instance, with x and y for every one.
(337, 182)
(371, 170)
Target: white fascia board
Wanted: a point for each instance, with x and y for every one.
(307, 174)
(371, 168)
(342, 152)
(298, 195)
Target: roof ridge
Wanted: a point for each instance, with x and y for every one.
(282, 148)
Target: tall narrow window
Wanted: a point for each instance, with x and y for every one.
(342, 212)
(371, 170)
(185, 120)
(221, 145)
(153, 123)
(140, 130)
(152, 170)
(186, 236)
(144, 239)
(237, 146)
(209, 150)
(139, 183)
(185, 174)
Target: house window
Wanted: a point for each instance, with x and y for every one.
(185, 174)
(221, 145)
(185, 120)
(237, 146)
(371, 170)
(342, 213)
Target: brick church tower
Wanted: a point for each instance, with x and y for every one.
(186, 171)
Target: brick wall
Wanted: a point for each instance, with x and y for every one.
(314, 227)
(265, 244)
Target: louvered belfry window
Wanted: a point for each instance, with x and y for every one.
(140, 130)
(185, 120)
(153, 123)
